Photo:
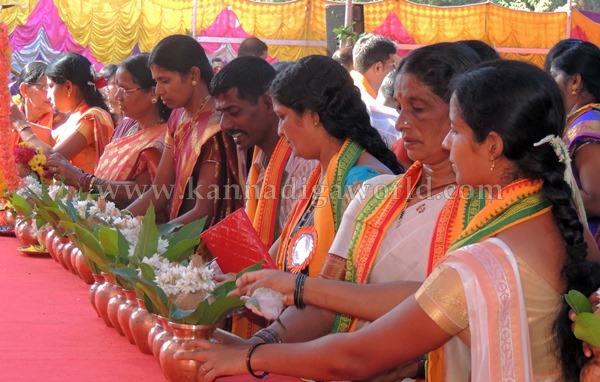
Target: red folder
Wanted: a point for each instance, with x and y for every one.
(235, 243)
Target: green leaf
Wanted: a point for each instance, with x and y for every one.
(89, 245)
(147, 271)
(181, 250)
(109, 239)
(587, 328)
(159, 299)
(148, 239)
(189, 231)
(578, 302)
(219, 309)
(21, 205)
(252, 268)
(69, 208)
(167, 228)
(123, 245)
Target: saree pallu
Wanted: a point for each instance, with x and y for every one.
(96, 126)
(583, 127)
(190, 140)
(469, 217)
(122, 159)
(495, 305)
(49, 120)
(325, 202)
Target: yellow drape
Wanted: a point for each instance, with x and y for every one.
(111, 28)
(591, 29)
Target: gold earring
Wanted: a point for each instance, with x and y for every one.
(68, 94)
(315, 123)
(194, 82)
(574, 89)
(492, 163)
(153, 100)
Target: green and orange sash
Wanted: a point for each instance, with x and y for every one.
(188, 140)
(372, 223)
(327, 215)
(121, 157)
(264, 210)
(518, 202)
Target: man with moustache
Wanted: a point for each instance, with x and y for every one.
(276, 177)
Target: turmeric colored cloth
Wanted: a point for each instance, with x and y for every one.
(96, 126)
(127, 157)
(193, 143)
(320, 210)
(366, 90)
(274, 188)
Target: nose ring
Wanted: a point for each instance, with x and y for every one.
(405, 123)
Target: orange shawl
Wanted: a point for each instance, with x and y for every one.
(327, 210)
(264, 210)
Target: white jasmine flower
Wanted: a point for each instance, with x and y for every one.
(53, 190)
(31, 185)
(176, 279)
(163, 245)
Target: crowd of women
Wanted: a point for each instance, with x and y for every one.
(453, 269)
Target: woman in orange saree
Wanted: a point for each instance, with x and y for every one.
(72, 89)
(35, 105)
(198, 174)
(129, 163)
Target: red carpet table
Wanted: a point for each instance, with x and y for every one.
(50, 332)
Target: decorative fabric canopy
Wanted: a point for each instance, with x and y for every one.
(107, 31)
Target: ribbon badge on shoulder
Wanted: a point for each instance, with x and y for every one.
(302, 249)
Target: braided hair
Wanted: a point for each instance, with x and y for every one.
(320, 84)
(523, 105)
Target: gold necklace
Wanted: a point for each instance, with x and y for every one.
(192, 117)
(208, 97)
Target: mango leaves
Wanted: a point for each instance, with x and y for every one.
(213, 310)
(587, 324)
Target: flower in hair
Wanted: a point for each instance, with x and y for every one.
(561, 151)
(558, 145)
(98, 82)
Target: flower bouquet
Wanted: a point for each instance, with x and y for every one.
(30, 159)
